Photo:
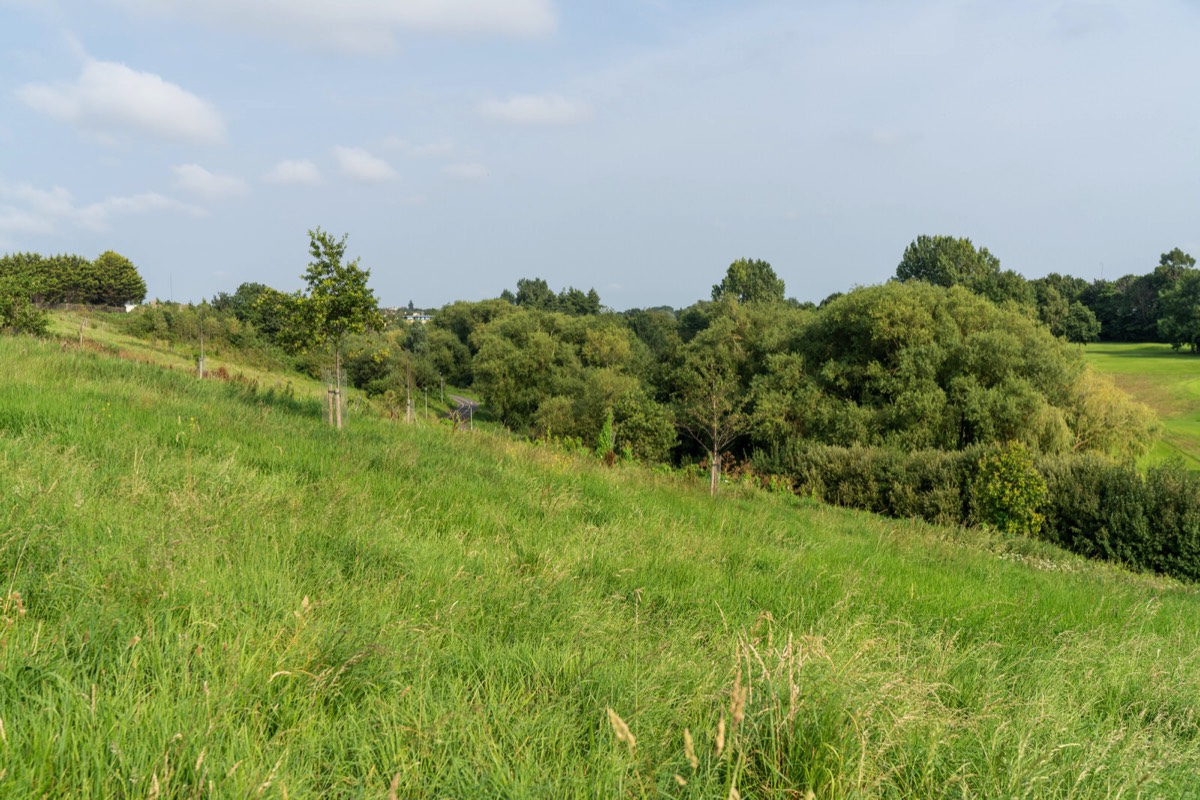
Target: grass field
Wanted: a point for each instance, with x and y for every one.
(1166, 380)
(208, 593)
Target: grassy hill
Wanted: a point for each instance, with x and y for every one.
(1167, 381)
(207, 592)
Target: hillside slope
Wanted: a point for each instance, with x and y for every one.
(208, 592)
(1164, 379)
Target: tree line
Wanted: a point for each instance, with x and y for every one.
(30, 281)
(948, 392)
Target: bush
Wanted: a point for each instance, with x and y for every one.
(17, 312)
(1098, 509)
(1084, 503)
(1008, 490)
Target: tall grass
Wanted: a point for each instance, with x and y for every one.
(205, 591)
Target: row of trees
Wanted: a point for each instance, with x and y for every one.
(954, 353)
(29, 282)
(1161, 306)
(911, 364)
(109, 280)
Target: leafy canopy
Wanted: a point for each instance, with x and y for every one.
(750, 281)
(338, 301)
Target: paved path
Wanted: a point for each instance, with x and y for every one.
(465, 409)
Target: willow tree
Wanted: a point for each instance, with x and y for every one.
(338, 303)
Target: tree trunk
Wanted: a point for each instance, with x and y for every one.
(714, 472)
(337, 392)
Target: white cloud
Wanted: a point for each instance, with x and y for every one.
(294, 172)
(14, 219)
(97, 215)
(197, 180)
(110, 98)
(360, 165)
(364, 26)
(467, 172)
(27, 209)
(537, 109)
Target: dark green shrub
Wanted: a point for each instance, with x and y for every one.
(1098, 509)
(1084, 503)
(1173, 495)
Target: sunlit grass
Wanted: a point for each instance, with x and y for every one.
(208, 592)
(1166, 380)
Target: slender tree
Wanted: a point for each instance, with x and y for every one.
(338, 302)
(710, 399)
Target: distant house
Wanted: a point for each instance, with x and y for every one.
(421, 318)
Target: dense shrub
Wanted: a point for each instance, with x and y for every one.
(1008, 490)
(933, 485)
(1084, 502)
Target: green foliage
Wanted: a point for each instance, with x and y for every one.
(606, 442)
(710, 398)
(110, 280)
(750, 281)
(947, 261)
(338, 301)
(250, 598)
(1081, 502)
(17, 312)
(1179, 323)
(1130, 308)
(918, 366)
(1008, 490)
(535, 294)
(933, 485)
(1111, 511)
(117, 281)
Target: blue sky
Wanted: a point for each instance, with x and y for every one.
(637, 146)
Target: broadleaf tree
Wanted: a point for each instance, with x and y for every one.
(711, 401)
(337, 303)
(750, 281)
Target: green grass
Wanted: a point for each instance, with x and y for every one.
(220, 596)
(1166, 380)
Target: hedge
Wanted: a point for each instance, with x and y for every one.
(1091, 505)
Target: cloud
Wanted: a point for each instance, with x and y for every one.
(299, 172)
(467, 172)
(27, 209)
(364, 26)
(360, 165)
(197, 180)
(110, 98)
(534, 109)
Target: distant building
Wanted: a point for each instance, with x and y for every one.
(421, 318)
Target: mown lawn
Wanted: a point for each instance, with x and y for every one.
(207, 592)
(1166, 380)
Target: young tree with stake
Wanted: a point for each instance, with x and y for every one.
(338, 302)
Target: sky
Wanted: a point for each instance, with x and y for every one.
(633, 146)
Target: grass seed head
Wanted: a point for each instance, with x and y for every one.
(689, 749)
(621, 730)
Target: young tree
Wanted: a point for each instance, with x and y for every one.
(338, 302)
(710, 398)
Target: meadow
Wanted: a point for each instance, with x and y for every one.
(207, 592)
(1166, 380)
